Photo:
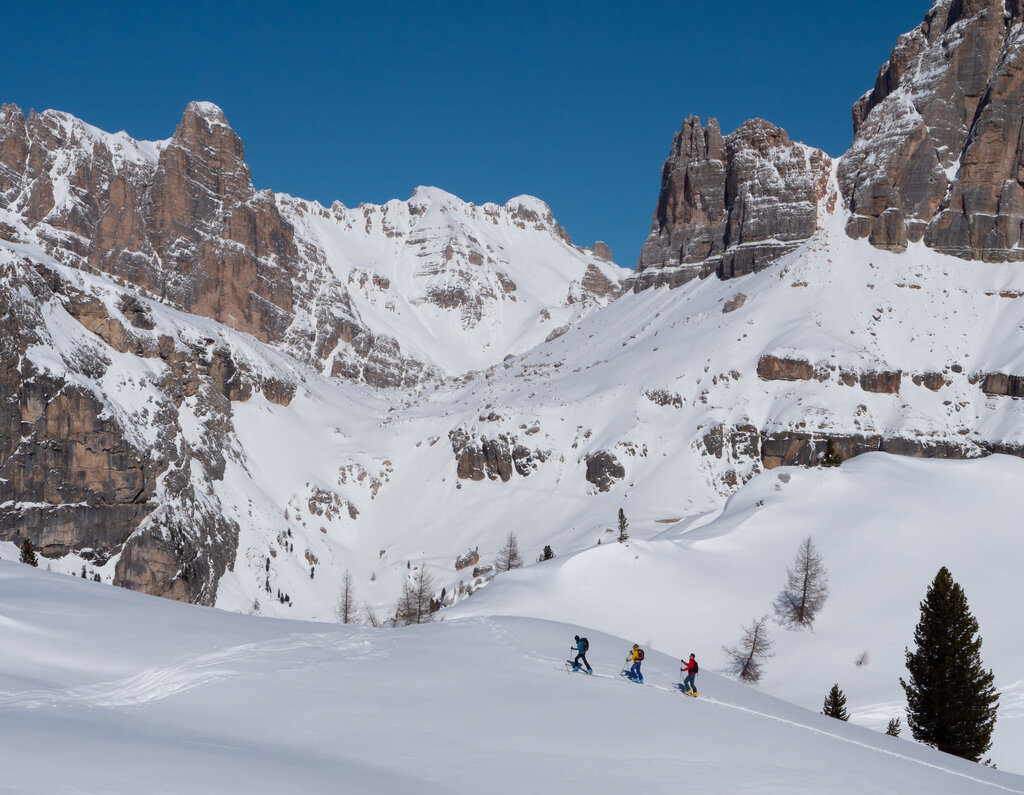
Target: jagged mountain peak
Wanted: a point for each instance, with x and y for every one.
(206, 110)
(937, 148)
(733, 205)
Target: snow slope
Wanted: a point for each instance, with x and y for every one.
(884, 525)
(460, 286)
(115, 692)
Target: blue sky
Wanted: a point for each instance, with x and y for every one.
(574, 102)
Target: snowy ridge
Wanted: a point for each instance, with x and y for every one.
(459, 286)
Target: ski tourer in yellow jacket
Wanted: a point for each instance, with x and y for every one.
(636, 656)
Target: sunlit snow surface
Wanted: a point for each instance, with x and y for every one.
(883, 525)
(102, 690)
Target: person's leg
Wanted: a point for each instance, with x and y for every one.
(576, 662)
(586, 663)
(634, 672)
(688, 682)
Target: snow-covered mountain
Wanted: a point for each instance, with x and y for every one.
(459, 286)
(168, 697)
(232, 397)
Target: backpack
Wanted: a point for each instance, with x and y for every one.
(639, 655)
(696, 667)
(584, 646)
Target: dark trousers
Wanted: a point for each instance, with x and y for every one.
(689, 683)
(634, 672)
(582, 656)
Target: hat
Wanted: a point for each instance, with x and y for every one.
(691, 654)
(636, 646)
(577, 637)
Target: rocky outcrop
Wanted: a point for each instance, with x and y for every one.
(734, 303)
(181, 220)
(1003, 384)
(800, 448)
(732, 205)
(938, 153)
(782, 368)
(602, 252)
(105, 476)
(885, 381)
(790, 368)
(603, 469)
(480, 457)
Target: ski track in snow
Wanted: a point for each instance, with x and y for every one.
(677, 688)
(158, 683)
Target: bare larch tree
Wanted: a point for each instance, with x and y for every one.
(755, 647)
(414, 606)
(509, 557)
(346, 611)
(806, 587)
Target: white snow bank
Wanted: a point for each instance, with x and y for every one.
(884, 525)
(115, 692)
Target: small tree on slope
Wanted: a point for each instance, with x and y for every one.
(951, 699)
(346, 610)
(623, 527)
(509, 557)
(414, 606)
(806, 587)
(28, 554)
(835, 704)
(755, 647)
(894, 728)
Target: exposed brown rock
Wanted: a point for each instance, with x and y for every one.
(938, 152)
(932, 381)
(596, 283)
(799, 448)
(1003, 384)
(781, 368)
(471, 558)
(664, 398)
(601, 251)
(732, 205)
(887, 381)
(734, 303)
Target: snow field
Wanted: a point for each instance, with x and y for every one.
(132, 693)
(883, 525)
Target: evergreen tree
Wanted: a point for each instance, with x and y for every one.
(831, 457)
(623, 527)
(835, 704)
(509, 557)
(806, 587)
(755, 647)
(951, 699)
(894, 728)
(28, 554)
(547, 554)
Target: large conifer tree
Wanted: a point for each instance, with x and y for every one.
(951, 699)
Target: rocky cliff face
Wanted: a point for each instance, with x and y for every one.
(148, 290)
(937, 153)
(733, 205)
